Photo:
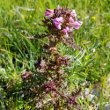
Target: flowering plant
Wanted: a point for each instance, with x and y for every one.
(51, 67)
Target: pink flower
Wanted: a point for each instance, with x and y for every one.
(72, 20)
(77, 24)
(58, 22)
(74, 23)
(73, 13)
(49, 13)
(66, 30)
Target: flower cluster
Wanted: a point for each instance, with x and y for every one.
(63, 19)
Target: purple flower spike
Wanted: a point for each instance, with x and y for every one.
(73, 13)
(77, 24)
(58, 22)
(49, 13)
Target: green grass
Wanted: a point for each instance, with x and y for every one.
(22, 18)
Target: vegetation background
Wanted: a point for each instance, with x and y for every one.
(23, 18)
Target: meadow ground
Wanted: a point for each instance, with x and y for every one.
(22, 18)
